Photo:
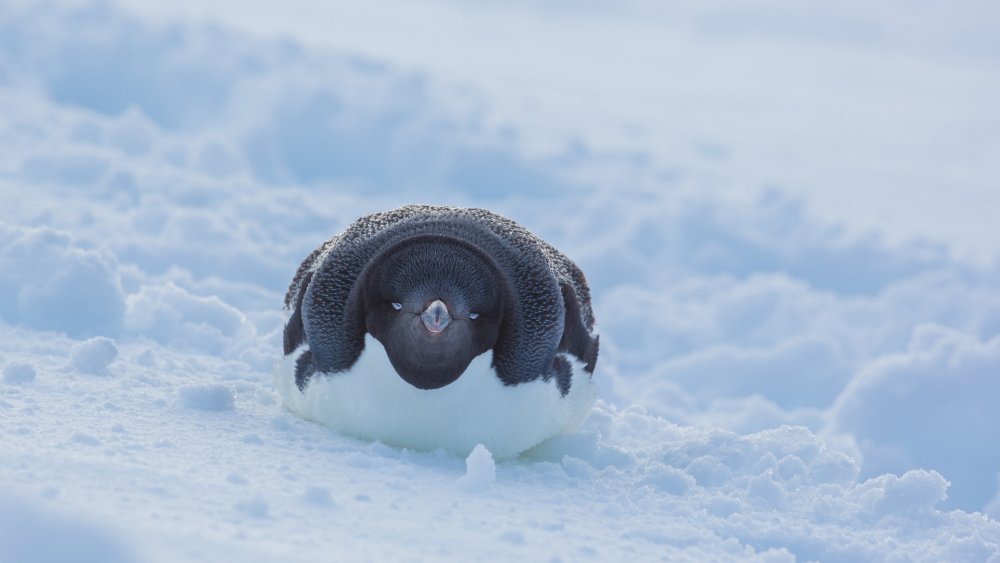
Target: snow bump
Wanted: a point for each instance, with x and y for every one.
(171, 315)
(319, 496)
(48, 282)
(94, 356)
(480, 470)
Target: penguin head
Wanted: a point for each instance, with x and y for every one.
(434, 303)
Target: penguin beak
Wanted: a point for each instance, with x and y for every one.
(436, 317)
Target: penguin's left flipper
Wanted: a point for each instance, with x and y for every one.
(576, 338)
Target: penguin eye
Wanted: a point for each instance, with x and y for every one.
(473, 316)
(397, 306)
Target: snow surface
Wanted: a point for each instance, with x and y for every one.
(786, 216)
(18, 372)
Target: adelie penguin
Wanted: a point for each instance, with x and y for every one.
(438, 327)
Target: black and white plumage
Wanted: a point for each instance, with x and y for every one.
(432, 327)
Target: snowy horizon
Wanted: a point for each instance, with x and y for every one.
(785, 217)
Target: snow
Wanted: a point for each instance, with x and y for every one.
(930, 407)
(18, 372)
(318, 495)
(29, 534)
(480, 470)
(786, 216)
(50, 283)
(168, 314)
(93, 355)
(207, 397)
(255, 507)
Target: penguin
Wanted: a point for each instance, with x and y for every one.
(430, 327)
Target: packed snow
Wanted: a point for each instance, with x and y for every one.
(480, 470)
(786, 217)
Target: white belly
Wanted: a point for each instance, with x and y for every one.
(372, 402)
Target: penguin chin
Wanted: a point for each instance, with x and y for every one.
(426, 360)
(429, 380)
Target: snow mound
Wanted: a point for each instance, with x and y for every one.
(171, 315)
(50, 283)
(94, 355)
(929, 407)
(480, 470)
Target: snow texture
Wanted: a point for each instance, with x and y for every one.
(786, 216)
(18, 372)
(207, 397)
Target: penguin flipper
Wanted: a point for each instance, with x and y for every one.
(294, 334)
(576, 338)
